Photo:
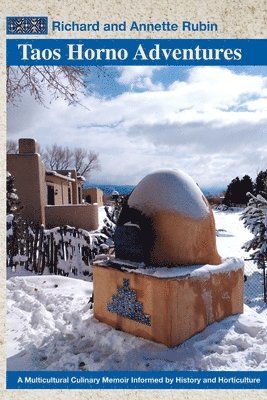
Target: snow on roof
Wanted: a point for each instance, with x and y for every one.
(54, 173)
(168, 190)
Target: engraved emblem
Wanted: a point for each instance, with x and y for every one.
(125, 304)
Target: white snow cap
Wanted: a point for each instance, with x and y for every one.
(169, 190)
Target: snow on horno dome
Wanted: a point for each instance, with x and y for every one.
(168, 190)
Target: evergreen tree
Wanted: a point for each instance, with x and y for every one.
(15, 237)
(261, 182)
(236, 192)
(246, 186)
(255, 219)
(232, 193)
(12, 200)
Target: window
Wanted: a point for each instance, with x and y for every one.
(79, 195)
(88, 199)
(50, 195)
(69, 195)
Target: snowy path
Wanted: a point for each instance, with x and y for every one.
(232, 234)
(50, 327)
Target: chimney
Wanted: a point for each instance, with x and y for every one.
(28, 146)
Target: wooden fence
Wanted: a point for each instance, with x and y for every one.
(62, 250)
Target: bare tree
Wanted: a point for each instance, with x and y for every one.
(57, 157)
(83, 161)
(59, 81)
(12, 147)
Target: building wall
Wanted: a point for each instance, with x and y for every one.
(93, 195)
(31, 182)
(61, 188)
(75, 189)
(29, 173)
(83, 216)
(76, 184)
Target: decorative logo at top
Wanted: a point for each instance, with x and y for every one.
(125, 304)
(27, 25)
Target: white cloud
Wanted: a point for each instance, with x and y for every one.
(139, 77)
(257, 105)
(212, 125)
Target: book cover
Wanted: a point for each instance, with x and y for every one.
(131, 135)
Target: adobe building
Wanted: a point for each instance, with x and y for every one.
(167, 281)
(64, 187)
(30, 180)
(93, 195)
(51, 198)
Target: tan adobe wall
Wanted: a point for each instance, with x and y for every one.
(95, 195)
(60, 187)
(31, 182)
(79, 216)
(29, 173)
(177, 307)
(75, 188)
(27, 146)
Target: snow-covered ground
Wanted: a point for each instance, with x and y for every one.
(50, 326)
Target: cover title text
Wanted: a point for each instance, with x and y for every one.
(156, 52)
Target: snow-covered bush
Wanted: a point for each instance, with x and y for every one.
(113, 213)
(62, 250)
(255, 219)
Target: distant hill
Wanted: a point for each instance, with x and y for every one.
(213, 191)
(127, 189)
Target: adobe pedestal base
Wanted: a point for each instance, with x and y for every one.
(163, 308)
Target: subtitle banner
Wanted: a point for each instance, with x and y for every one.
(136, 380)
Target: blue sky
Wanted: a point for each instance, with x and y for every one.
(107, 81)
(210, 122)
